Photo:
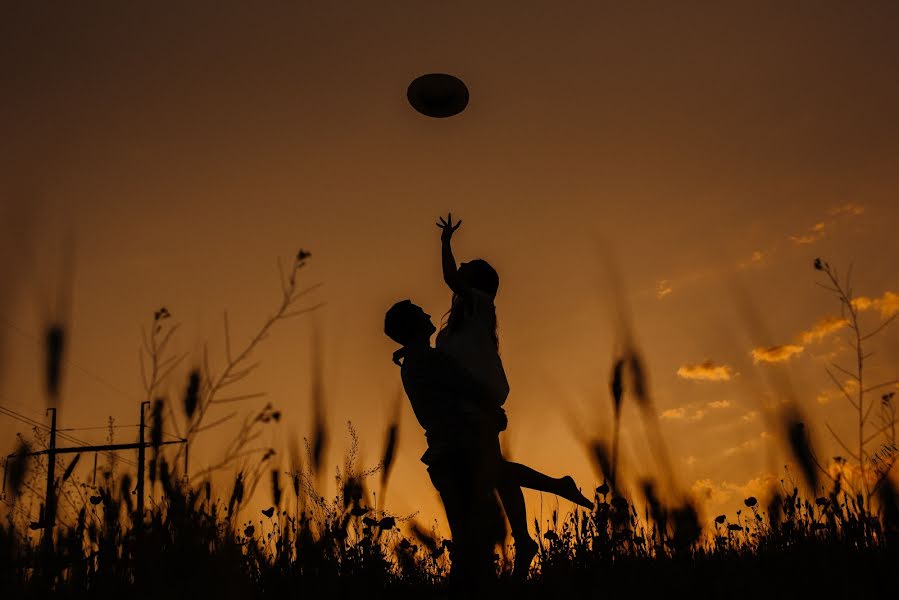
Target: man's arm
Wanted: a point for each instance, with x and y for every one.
(449, 374)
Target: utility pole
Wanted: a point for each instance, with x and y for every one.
(141, 458)
(52, 452)
(50, 500)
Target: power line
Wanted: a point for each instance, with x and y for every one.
(25, 408)
(52, 451)
(20, 417)
(96, 428)
(69, 361)
(97, 378)
(29, 421)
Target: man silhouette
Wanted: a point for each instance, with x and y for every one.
(446, 402)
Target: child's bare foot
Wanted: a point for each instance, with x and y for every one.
(571, 492)
(525, 551)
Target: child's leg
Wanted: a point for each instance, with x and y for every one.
(525, 476)
(513, 503)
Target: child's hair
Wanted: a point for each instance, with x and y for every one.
(396, 322)
(479, 275)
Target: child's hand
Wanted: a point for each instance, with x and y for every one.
(448, 228)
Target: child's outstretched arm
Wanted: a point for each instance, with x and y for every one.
(450, 272)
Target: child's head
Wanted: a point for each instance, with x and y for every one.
(406, 323)
(478, 274)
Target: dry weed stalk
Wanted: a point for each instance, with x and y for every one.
(882, 460)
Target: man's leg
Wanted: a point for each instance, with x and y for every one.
(468, 501)
(450, 484)
(488, 527)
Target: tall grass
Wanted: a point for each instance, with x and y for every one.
(190, 541)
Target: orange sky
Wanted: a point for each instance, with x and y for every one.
(713, 148)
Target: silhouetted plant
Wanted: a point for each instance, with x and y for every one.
(194, 544)
(882, 460)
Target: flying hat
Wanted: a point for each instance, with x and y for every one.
(438, 95)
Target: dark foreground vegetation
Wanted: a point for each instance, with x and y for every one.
(189, 546)
(838, 537)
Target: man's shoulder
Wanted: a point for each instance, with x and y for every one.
(421, 357)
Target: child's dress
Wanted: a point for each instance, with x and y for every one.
(472, 346)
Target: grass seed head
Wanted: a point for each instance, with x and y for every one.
(390, 444)
(54, 347)
(276, 487)
(192, 393)
(638, 378)
(17, 468)
(70, 468)
(801, 448)
(602, 461)
(617, 385)
(156, 423)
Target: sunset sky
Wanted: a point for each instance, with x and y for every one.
(169, 156)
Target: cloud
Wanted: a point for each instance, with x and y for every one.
(888, 304)
(825, 397)
(822, 329)
(750, 416)
(850, 210)
(749, 444)
(756, 260)
(683, 413)
(719, 404)
(814, 233)
(724, 494)
(663, 288)
(674, 413)
(705, 371)
(775, 354)
(712, 492)
(819, 230)
(850, 386)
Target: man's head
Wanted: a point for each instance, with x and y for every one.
(407, 324)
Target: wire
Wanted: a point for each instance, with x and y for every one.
(20, 417)
(25, 408)
(93, 376)
(95, 428)
(28, 421)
